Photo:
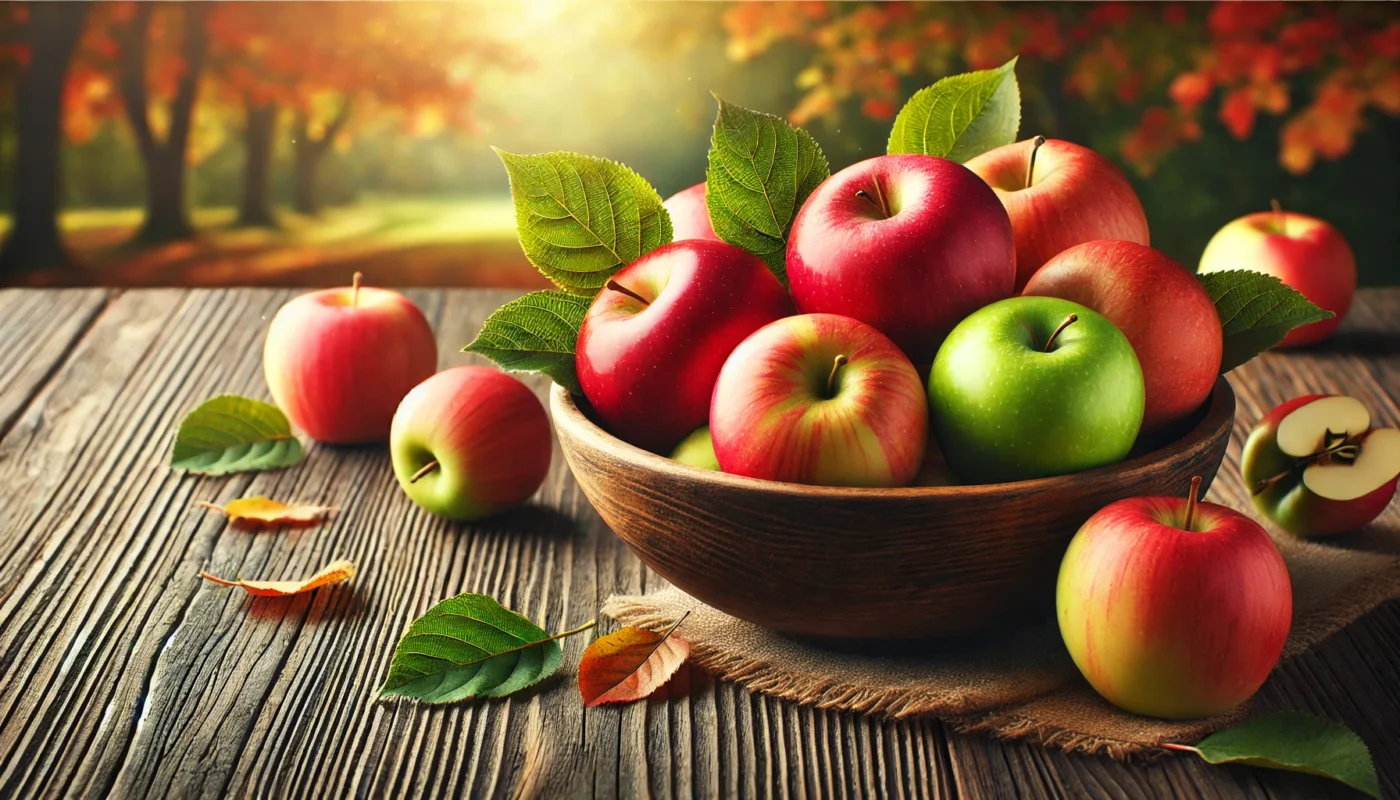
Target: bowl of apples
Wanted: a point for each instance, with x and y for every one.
(902, 441)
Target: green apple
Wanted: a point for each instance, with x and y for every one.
(697, 449)
(1031, 387)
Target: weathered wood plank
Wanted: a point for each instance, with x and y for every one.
(37, 330)
(121, 672)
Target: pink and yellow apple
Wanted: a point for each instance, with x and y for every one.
(1304, 252)
(470, 442)
(820, 399)
(690, 216)
(339, 361)
(1172, 608)
(1059, 194)
(1162, 309)
(1316, 467)
(655, 337)
(909, 244)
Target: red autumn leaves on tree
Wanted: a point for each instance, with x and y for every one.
(1322, 66)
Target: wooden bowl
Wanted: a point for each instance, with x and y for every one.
(865, 564)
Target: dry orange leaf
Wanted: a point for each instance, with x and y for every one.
(629, 664)
(335, 572)
(258, 512)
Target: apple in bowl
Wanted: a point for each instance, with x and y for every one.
(820, 399)
(1316, 467)
(654, 339)
(1059, 194)
(909, 244)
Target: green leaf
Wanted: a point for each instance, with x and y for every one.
(1294, 741)
(761, 171)
(960, 116)
(469, 646)
(235, 434)
(1256, 312)
(536, 333)
(580, 219)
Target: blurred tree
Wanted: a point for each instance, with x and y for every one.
(44, 36)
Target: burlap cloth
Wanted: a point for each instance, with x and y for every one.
(1022, 686)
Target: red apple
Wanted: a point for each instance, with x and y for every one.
(820, 399)
(470, 442)
(1162, 309)
(690, 216)
(654, 340)
(1058, 195)
(339, 361)
(1172, 608)
(1315, 466)
(909, 244)
(1302, 251)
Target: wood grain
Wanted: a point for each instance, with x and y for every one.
(123, 674)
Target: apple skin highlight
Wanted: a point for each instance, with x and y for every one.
(1173, 623)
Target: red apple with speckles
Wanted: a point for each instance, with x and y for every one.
(690, 216)
(339, 361)
(1168, 317)
(820, 399)
(909, 244)
(1059, 194)
(1173, 608)
(655, 337)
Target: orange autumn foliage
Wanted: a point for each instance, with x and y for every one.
(261, 512)
(335, 572)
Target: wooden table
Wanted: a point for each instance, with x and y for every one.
(121, 672)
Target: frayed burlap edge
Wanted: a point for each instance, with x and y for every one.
(1007, 722)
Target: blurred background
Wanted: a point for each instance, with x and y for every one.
(242, 143)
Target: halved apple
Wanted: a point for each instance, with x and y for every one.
(1315, 466)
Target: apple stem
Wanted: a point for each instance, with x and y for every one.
(1279, 219)
(878, 200)
(428, 467)
(355, 288)
(617, 287)
(1071, 319)
(1191, 501)
(1335, 447)
(1030, 165)
(836, 365)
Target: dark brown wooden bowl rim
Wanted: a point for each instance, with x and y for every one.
(1217, 421)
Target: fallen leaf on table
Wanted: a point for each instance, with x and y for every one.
(235, 434)
(1291, 740)
(629, 664)
(335, 572)
(257, 512)
(470, 646)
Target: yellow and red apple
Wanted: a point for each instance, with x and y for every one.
(1304, 252)
(339, 361)
(470, 442)
(1316, 467)
(1172, 608)
(910, 244)
(820, 399)
(1167, 316)
(655, 337)
(1059, 194)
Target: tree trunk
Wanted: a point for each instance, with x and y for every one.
(34, 240)
(308, 159)
(166, 216)
(259, 130)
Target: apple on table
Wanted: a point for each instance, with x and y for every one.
(910, 244)
(1059, 194)
(1316, 467)
(338, 361)
(1304, 252)
(1164, 311)
(1173, 608)
(470, 442)
(654, 339)
(1031, 387)
(820, 399)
